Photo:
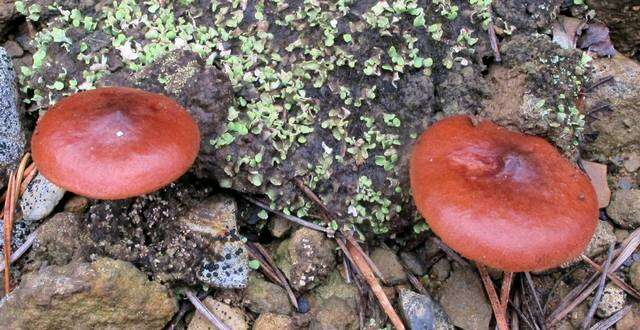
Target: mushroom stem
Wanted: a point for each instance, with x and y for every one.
(499, 310)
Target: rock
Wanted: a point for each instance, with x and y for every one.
(462, 298)
(177, 234)
(632, 161)
(624, 209)
(413, 263)
(8, 13)
(602, 238)
(621, 235)
(334, 313)
(389, 265)
(306, 258)
(613, 299)
(12, 139)
(40, 198)
(634, 275)
(598, 175)
(623, 18)
(61, 240)
(335, 286)
(261, 296)
(13, 49)
(631, 321)
(76, 204)
(103, 294)
(279, 227)
(216, 217)
(270, 321)
(421, 312)
(440, 270)
(231, 316)
(619, 130)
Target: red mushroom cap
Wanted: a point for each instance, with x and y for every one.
(114, 143)
(501, 198)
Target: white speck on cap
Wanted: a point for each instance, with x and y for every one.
(119, 133)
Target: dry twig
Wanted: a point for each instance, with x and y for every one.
(367, 273)
(613, 319)
(596, 299)
(493, 297)
(291, 218)
(202, 309)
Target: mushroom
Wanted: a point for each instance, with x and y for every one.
(115, 142)
(501, 198)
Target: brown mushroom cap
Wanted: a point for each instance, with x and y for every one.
(114, 143)
(501, 198)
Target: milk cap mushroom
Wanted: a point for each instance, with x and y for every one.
(501, 198)
(115, 142)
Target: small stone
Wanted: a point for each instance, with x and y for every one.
(389, 265)
(12, 139)
(421, 312)
(279, 226)
(602, 238)
(265, 297)
(106, 293)
(76, 204)
(463, 299)
(335, 313)
(634, 275)
(61, 240)
(621, 234)
(631, 321)
(215, 217)
(230, 316)
(625, 208)
(413, 263)
(613, 299)
(270, 321)
(13, 49)
(440, 270)
(40, 198)
(598, 175)
(306, 259)
(632, 162)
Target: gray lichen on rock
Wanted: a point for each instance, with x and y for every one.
(12, 139)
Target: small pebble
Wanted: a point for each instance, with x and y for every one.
(613, 299)
(40, 198)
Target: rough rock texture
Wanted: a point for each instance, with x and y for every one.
(535, 90)
(335, 286)
(617, 130)
(105, 294)
(61, 240)
(623, 18)
(389, 265)
(40, 198)
(177, 234)
(12, 139)
(602, 238)
(216, 217)
(8, 13)
(462, 298)
(421, 312)
(270, 321)
(334, 313)
(529, 15)
(625, 208)
(631, 321)
(231, 316)
(306, 258)
(261, 296)
(413, 263)
(613, 300)
(634, 275)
